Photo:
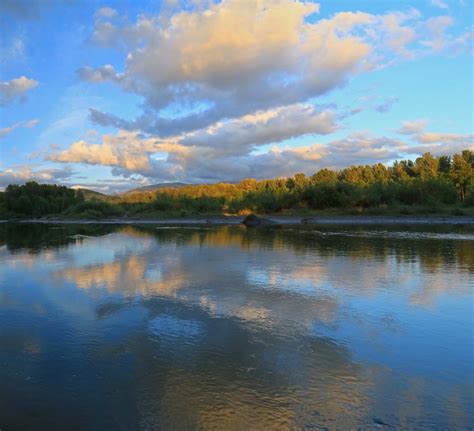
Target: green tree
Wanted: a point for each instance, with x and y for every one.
(324, 176)
(444, 164)
(426, 166)
(461, 174)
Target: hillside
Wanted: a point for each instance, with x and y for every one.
(154, 187)
(92, 194)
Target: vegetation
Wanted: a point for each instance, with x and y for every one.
(427, 185)
(36, 200)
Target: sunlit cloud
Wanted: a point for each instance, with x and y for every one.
(15, 89)
(22, 173)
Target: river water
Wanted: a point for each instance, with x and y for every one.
(228, 328)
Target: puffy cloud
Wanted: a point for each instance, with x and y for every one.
(436, 143)
(28, 124)
(211, 154)
(412, 127)
(229, 59)
(222, 81)
(184, 159)
(126, 149)
(132, 152)
(263, 127)
(22, 173)
(15, 88)
(236, 58)
(99, 74)
(442, 143)
(432, 137)
(444, 147)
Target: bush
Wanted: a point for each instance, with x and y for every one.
(94, 209)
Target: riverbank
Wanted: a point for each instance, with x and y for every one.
(276, 219)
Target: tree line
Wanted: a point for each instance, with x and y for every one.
(429, 182)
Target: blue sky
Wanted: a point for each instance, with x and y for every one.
(111, 95)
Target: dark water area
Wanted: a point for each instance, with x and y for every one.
(227, 328)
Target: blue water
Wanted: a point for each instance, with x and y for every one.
(144, 328)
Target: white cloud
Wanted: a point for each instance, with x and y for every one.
(412, 127)
(15, 88)
(436, 143)
(106, 12)
(179, 159)
(235, 149)
(233, 58)
(236, 58)
(131, 151)
(28, 124)
(20, 174)
(439, 3)
(221, 82)
(99, 74)
(437, 32)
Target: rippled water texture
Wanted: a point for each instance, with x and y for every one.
(113, 327)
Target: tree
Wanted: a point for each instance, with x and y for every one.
(297, 182)
(468, 156)
(444, 164)
(324, 176)
(461, 174)
(426, 166)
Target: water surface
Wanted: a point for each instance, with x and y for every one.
(162, 327)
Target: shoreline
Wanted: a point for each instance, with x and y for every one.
(275, 220)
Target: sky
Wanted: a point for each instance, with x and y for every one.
(119, 94)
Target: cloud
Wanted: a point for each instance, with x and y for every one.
(386, 105)
(20, 174)
(111, 185)
(432, 137)
(243, 134)
(228, 59)
(444, 147)
(233, 59)
(437, 30)
(28, 124)
(440, 4)
(105, 12)
(412, 127)
(436, 143)
(240, 148)
(16, 88)
(100, 74)
(126, 149)
(240, 136)
(185, 159)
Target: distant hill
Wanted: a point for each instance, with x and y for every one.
(154, 187)
(91, 194)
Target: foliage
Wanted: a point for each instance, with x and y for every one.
(429, 182)
(34, 200)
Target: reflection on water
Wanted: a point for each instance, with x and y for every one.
(110, 327)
